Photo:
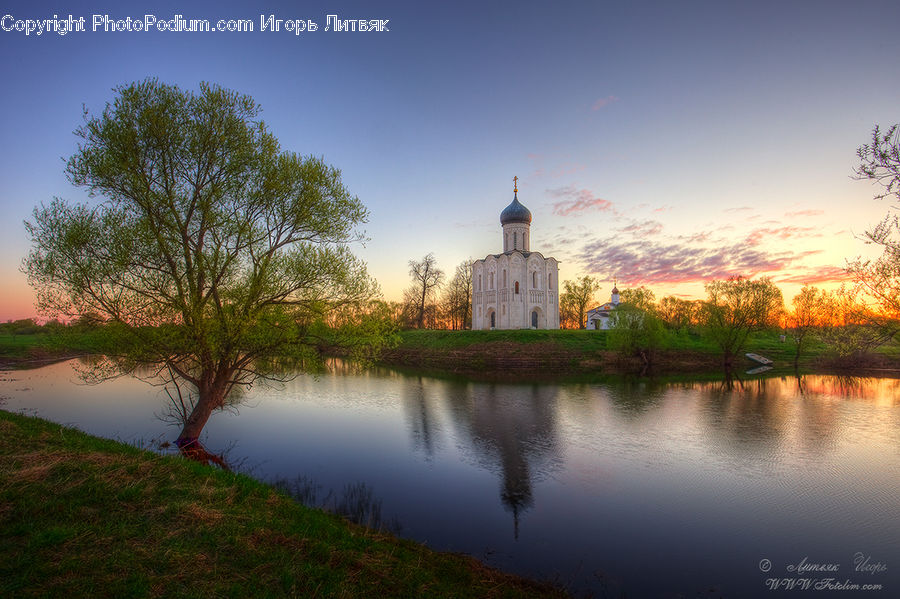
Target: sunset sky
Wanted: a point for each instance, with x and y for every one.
(662, 143)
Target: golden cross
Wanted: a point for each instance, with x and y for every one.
(515, 185)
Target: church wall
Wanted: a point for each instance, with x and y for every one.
(492, 291)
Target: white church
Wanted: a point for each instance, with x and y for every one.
(518, 289)
(598, 319)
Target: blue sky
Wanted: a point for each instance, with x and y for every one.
(661, 143)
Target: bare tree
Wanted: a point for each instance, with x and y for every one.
(457, 299)
(426, 280)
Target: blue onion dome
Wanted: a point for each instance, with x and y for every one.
(515, 213)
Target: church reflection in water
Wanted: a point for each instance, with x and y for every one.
(510, 430)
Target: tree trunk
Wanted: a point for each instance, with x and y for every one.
(210, 397)
(195, 422)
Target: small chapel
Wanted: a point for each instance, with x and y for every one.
(518, 289)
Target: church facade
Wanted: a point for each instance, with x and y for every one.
(599, 318)
(518, 289)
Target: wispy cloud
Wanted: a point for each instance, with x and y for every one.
(601, 102)
(758, 236)
(804, 213)
(553, 166)
(642, 255)
(579, 200)
(644, 229)
(817, 276)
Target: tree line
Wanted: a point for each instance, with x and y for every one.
(736, 308)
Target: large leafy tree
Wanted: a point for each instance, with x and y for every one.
(879, 161)
(208, 249)
(736, 307)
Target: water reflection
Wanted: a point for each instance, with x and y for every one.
(509, 430)
(695, 479)
(421, 417)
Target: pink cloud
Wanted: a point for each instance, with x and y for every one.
(600, 103)
(757, 236)
(639, 255)
(817, 276)
(582, 199)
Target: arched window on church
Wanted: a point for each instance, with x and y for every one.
(504, 279)
(534, 279)
(549, 281)
(517, 287)
(515, 240)
(491, 280)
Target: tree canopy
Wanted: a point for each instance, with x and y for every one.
(207, 246)
(736, 307)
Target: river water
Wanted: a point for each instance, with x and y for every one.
(644, 488)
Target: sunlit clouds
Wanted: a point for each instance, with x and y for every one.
(655, 253)
(577, 200)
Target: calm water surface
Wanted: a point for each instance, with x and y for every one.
(641, 488)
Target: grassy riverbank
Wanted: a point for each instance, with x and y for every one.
(571, 352)
(518, 353)
(82, 516)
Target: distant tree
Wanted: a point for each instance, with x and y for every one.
(575, 299)
(677, 313)
(805, 318)
(457, 299)
(426, 280)
(850, 329)
(212, 252)
(880, 278)
(737, 307)
(640, 298)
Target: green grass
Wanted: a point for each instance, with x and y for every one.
(587, 344)
(437, 339)
(583, 341)
(19, 346)
(87, 517)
